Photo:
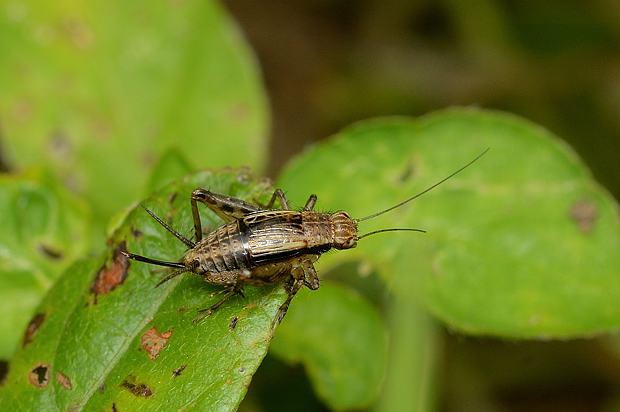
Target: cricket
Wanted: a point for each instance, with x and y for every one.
(261, 245)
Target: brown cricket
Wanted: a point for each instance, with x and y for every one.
(261, 245)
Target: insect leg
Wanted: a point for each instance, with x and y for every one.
(292, 291)
(301, 274)
(311, 280)
(228, 292)
(226, 207)
(310, 203)
(278, 194)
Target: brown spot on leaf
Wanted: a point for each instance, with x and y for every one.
(50, 252)
(138, 389)
(584, 213)
(101, 388)
(39, 376)
(114, 408)
(407, 172)
(64, 381)
(59, 146)
(178, 371)
(172, 197)
(136, 233)
(233, 322)
(153, 342)
(111, 274)
(32, 329)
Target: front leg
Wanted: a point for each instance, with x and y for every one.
(302, 273)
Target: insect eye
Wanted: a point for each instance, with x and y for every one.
(195, 263)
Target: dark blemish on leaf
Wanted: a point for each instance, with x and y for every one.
(242, 370)
(101, 388)
(239, 111)
(50, 252)
(407, 173)
(136, 233)
(111, 274)
(233, 322)
(153, 342)
(4, 164)
(584, 213)
(60, 146)
(39, 376)
(64, 380)
(172, 197)
(182, 309)
(138, 389)
(32, 329)
(4, 371)
(178, 371)
(114, 408)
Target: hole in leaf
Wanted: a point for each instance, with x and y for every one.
(39, 376)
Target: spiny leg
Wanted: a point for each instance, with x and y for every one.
(171, 275)
(299, 273)
(292, 291)
(228, 292)
(311, 279)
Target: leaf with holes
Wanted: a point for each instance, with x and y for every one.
(43, 230)
(108, 339)
(524, 243)
(99, 90)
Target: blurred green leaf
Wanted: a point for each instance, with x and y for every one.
(100, 90)
(524, 243)
(342, 342)
(414, 353)
(133, 346)
(43, 230)
(171, 166)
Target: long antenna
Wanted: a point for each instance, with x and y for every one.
(145, 259)
(391, 230)
(424, 191)
(169, 228)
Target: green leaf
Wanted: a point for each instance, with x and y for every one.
(109, 339)
(43, 230)
(171, 166)
(414, 354)
(341, 340)
(524, 243)
(99, 90)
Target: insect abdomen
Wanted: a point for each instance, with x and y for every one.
(222, 251)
